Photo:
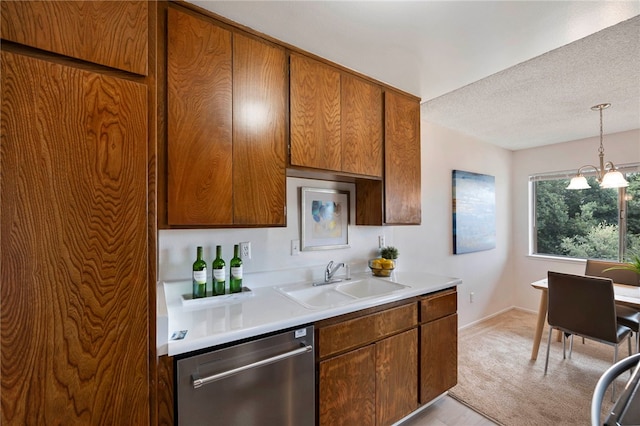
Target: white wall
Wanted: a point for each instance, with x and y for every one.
(428, 246)
(486, 273)
(620, 148)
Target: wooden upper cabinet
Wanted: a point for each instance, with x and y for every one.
(226, 126)
(110, 33)
(402, 160)
(260, 87)
(199, 127)
(362, 117)
(73, 290)
(315, 114)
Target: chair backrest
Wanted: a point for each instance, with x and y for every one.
(584, 305)
(595, 268)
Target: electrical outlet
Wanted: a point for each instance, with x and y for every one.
(471, 297)
(381, 242)
(295, 247)
(245, 250)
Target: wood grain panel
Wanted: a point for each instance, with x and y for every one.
(438, 305)
(259, 132)
(369, 205)
(315, 114)
(396, 377)
(361, 125)
(438, 357)
(74, 331)
(165, 391)
(402, 160)
(364, 330)
(199, 90)
(111, 33)
(347, 387)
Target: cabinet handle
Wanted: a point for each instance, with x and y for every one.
(201, 382)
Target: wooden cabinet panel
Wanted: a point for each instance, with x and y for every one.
(438, 357)
(402, 160)
(111, 33)
(438, 305)
(259, 132)
(199, 113)
(315, 114)
(360, 331)
(347, 388)
(73, 287)
(396, 377)
(361, 124)
(369, 202)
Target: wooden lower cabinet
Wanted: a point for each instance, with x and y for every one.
(439, 349)
(396, 377)
(347, 389)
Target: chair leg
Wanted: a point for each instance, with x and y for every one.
(637, 341)
(571, 346)
(613, 385)
(546, 362)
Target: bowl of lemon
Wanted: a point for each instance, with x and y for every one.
(382, 267)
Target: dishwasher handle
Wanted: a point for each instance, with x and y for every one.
(197, 382)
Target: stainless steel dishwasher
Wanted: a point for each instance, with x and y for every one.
(268, 381)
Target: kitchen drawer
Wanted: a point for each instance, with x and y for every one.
(367, 329)
(438, 305)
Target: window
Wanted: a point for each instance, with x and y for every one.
(590, 223)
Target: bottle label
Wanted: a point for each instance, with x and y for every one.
(236, 272)
(200, 276)
(219, 274)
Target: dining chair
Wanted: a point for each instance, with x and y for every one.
(626, 316)
(584, 306)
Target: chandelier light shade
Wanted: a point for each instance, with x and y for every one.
(607, 175)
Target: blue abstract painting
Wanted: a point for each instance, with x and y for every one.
(474, 212)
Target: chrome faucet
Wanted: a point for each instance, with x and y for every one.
(330, 271)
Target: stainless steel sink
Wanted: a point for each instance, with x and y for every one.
(369, 287)
(327, 296)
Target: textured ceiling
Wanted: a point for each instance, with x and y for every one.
(516, 74)
(548, 99)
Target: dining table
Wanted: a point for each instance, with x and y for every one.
(624, 294)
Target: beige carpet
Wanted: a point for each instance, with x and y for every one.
(497, 378)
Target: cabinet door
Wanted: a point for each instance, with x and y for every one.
(199, 147)
(73, 290)
(259, 132)
(347, 389)
(438, 357)
(402, 160)
(361, 125)
(315, 114)
(396, 377)
(111, 33)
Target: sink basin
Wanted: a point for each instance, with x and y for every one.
(330, 295)
(369, 287)
(315, 297)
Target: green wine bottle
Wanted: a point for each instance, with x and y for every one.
(199, 276)
(219, 274)
(235, 278)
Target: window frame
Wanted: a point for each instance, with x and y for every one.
(568, 174)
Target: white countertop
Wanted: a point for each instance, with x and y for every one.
(214, 321)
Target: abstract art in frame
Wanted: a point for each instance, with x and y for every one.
(324, 219)
(474, 212)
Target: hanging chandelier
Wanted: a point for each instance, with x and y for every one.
(607, 175)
